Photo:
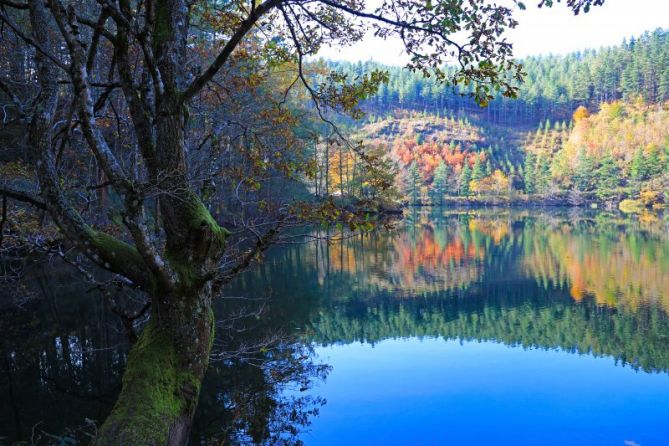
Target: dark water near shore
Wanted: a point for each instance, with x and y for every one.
(473, 327)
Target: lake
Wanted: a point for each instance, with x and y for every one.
(458, 327)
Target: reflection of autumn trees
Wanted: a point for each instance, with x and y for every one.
(495, 228)
(435, 258)
(521, 278)
(618, 268)
(621, 263)
(586, 283)
(427, 256)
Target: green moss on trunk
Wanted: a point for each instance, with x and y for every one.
(161, 386)
(115, 247)
(116, 255)
(201, 217)
(195, 249)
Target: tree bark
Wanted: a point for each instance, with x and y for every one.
(161, 383)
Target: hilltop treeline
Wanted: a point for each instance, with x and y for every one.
(554, 86)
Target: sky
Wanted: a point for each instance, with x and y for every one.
(542, 31)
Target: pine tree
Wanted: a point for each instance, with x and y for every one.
(414, 182)
(583, 173)
(542, 175)
(465, 178)
(553, 82)
(477, 171)
(529, 173)
(663, 84)
(607, 178)
(438, 189)
(630, 84)
(653, 163)
(638, 168)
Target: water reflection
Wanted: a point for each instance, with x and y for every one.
(63, 354)
(61, 357)
(593, 284)
(616, 266)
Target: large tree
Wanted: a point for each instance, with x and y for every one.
(153, 62)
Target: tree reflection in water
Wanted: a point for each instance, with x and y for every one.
(256, 391)
(593, 284)
(63, 354)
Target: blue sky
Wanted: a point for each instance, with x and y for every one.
(543, 31)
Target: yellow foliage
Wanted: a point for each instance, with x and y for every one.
(631, 206)
(495, 184)
(619, 129)
(580, 113)
(613, 110)
(621, 275)
(650, 197)
(342, 166)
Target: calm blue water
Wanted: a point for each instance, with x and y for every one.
(432, 391)
(489, 328)
(480, 327)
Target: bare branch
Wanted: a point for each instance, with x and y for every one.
(23, 196)
(229, 47)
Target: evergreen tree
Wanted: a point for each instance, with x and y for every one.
(583, 174)
(529, 174)
(553, 84)
(638, 168)
(653, 163)
(465, 178)
(607, 178)
(414, 182)
(438, 189)
(542, 175)
(477, 171)
(420, 139)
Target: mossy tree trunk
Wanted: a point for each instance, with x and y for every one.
(177, 266)
(165, 368)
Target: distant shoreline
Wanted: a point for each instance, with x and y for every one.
(553, 201)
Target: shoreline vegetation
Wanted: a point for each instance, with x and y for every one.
(563, 200)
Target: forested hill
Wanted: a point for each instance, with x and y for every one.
(554, 87)
(587, 126)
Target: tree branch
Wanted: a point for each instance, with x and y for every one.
(67, 23)
(229, 47)
(23, 196)
(103, 249)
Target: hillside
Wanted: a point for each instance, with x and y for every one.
(588, 126)
(553, 88)
(428, 139)
(620, 151)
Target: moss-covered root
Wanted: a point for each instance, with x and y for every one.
(159, 395)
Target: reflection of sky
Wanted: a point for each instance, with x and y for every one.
(430, 391)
